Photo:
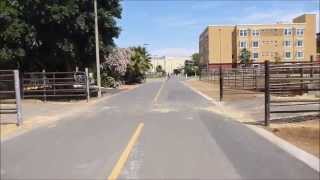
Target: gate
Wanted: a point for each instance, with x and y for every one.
(286, 80)
(46, 85)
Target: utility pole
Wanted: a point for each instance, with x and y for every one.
(97, 47)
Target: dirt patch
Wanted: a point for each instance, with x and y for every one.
(303, 132)
(211, 89)
(206, 87)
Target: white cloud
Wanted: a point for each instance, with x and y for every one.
(183, 52)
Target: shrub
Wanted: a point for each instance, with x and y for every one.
(108, 81)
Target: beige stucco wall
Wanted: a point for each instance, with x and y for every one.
(220, 44)
(168, 63)
(310, 34)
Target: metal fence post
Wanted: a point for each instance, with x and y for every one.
(255, 78)
(301, 81)
(242, 79)
(87, 84)
(235, 78)
(221, 83)
(311, 70)
(18, 97)
(266, 94)
(44, 85)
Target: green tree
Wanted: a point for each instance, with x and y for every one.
(189, 68)
(196, 62)
(55, 35)
(195, 58)
(138, 66)
(159, 69)
(244, 56)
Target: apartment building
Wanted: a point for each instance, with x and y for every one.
(220, 45)
(168, 63)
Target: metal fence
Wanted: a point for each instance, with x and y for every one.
(246, 79)
(10, 99)
(46, 85)
(275, 80)
(289, 80)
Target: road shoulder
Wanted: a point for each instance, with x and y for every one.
(234, 114)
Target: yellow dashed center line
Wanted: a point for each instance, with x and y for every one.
(158, 93)
(116, 171)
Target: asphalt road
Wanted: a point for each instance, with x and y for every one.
(180, 139)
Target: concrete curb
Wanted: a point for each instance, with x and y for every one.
(305, 157)
(21, 131)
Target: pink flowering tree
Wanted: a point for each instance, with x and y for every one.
(114, 65)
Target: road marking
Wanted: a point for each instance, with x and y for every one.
(125, 154)
(155, 99)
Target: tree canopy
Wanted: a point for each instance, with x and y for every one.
(195, 58)
(55, 35)
(244, 56)
(140, 63)
(115, 64)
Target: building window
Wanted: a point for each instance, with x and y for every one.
(243, 32)
(255, 44)
(243, 44)
(255, 55)
(299, 55)
(300, 43)
(255, 32)
(287, 55)
(287, 43)
(299, 32)
(287, 31)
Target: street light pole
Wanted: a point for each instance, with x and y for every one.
(97, 48)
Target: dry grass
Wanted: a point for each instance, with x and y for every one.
(303, 132)
(211, 89)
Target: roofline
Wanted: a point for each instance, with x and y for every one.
(222, 25)
(274, 24)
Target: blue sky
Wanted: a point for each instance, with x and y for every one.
(172, 27)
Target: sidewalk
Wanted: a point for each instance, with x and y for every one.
(302, 130)
(37, 113)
